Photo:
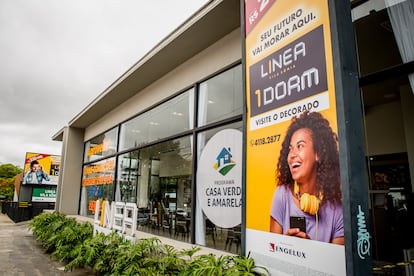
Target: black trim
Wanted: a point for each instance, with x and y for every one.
(194, 169)
(244, 128)
(356, 3)
(115, 181)
(388, 73)
(351, 139)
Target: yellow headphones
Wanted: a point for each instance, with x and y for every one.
(308, 203)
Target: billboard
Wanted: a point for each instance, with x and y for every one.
(44, 194)
(294, 214)
(41, 169)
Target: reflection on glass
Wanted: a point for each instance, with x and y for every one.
(97, 183)
(207, 233)
(167, 119)
(221, 97)
(101, 146)
(127, 177)
(164, 188)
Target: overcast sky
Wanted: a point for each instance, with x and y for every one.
(57, 56)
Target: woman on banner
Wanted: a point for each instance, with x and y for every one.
(308, 182)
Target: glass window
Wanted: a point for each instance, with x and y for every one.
(221, 97)
(387, 114)
(207, 233)
(163, 194)
(167, 119)
(97, 183)
(371, 31)
(127, 177)
(101, 146)
(387, 99)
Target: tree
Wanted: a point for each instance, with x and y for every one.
(9, 171)
(8, 174)
(7, 188)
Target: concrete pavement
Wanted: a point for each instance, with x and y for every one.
(22, 255)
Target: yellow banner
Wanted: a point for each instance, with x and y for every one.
(289, 70)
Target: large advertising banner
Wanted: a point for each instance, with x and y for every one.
(294, 217)
(41, 168)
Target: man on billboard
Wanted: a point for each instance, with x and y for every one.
(35, 175)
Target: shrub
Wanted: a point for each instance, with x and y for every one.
(74, 243)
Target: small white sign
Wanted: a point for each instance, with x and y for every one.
(286, 255)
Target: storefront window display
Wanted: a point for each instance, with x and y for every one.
(209, 233)
(127, 177)
(101, 146)
(158, 176)
(97, 183)
(164, 187)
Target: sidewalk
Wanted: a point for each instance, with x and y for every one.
(22, 255)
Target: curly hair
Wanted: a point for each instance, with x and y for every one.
(325, 143)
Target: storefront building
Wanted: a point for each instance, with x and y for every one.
(141, 140)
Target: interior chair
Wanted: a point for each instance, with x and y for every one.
(233, 236)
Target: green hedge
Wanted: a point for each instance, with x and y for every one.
(74, 244)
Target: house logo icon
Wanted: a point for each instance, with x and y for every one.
(224, 162)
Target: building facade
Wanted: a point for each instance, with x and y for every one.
(141, 139)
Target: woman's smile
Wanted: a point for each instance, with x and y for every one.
(302, 157)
